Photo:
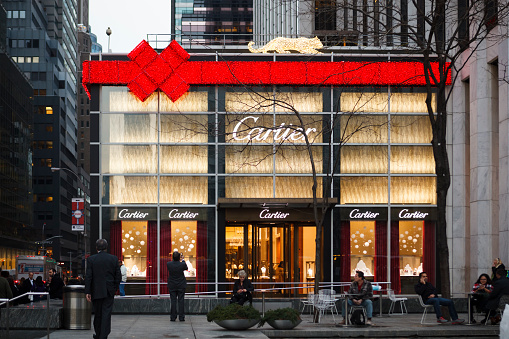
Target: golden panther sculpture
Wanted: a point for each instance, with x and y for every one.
(285, 45)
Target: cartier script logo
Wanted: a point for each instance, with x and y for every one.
(266, 214)
(356, 214)
(262, 133)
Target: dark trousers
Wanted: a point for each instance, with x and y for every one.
(177, 294)
(102, 317)
(437, 302)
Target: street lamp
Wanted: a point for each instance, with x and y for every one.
(108, 33)
(56, 169)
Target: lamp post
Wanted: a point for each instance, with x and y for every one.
(56, 169)
(108, 33)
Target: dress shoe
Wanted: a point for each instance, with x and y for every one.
(182, 319)
(173, 319)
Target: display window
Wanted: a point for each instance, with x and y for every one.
(136, 243)
(362, 247)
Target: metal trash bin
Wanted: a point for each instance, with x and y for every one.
(77, 310)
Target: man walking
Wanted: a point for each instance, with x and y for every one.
(101, 282)
(429, 295)
(177, 285)
(123, 273)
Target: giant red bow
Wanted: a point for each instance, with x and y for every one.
(173, 73)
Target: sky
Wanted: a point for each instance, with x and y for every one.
(130, 21)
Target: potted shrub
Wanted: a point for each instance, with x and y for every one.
(281, 318)
(234, 316)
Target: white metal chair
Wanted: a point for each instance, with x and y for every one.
(426, 308)
(326, 301)
(310, 301)
(395, 300)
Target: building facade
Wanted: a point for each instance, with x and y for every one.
(223, 173)
(42, 40)
(17, 234)
(211, 22)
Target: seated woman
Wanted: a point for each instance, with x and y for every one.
(482, 289)
(242, 289)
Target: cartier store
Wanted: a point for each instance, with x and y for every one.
(223, 175)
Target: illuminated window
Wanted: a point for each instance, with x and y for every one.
(410, 247)
(134, 247)
(183, 240)
(49, 110)
(362, 247)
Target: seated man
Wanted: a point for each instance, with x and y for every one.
(361, 291)
(500, 288)
(429, 295)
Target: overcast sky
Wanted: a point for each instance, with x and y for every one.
(130, 21)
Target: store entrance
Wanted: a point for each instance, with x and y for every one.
(274, 255)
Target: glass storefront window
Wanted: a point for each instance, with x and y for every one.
(180, 128)
(412, 159)
(120, 99)
(120, 159)
(364, 159)
(363, 129)
(410, 247)
(410, 129)
(130, 190)
(134, 247)
(129, 128)
(364, 190)
(184, 159)
(183, 240)
(362, 247)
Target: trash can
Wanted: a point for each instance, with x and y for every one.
(77, 310)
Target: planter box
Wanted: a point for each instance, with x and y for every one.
(237, 324)
(283, 324)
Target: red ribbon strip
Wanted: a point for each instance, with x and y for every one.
(172, 73)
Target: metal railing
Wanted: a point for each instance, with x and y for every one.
(8, 301)
(333, 41)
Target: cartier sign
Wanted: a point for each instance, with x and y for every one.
(175, 214)
(126, 214)
(266, 214)
(356, 214)
(281, 133)
(405, 214)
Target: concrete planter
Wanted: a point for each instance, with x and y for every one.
(237, 324)
(283, 324)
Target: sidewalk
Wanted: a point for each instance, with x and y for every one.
(196, 326)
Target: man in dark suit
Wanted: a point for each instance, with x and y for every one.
(56, 286)
(177, 285)
(28, 286)
(101, 282)
(500, 288)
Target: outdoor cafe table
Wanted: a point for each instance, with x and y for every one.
(469, 298)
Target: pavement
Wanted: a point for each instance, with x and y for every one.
(196, 326)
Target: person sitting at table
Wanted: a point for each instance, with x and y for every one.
(500, 288)
(481, 289)
(361, 291)
(497, 264)
(242, 289)
(430, 296)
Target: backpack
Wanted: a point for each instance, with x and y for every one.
(357, 318)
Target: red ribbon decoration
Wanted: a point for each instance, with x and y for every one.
(172, 73)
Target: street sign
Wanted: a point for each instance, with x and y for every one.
(78, 214)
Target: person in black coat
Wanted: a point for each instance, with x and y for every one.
(56, 285)
(242, 289)
(28, 286)
(500, 288)
(497, 264)
(177, 285)
(101, 283)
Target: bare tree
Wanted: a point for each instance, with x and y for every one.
(447, 32)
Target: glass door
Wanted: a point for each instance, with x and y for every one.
(274, 256)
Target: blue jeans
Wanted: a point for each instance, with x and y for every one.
(367, 304)
(121, 288)
(437, 302)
